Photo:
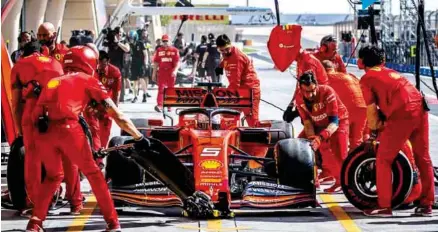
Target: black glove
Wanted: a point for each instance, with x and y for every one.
(219, 71)
(289, 115)
(142, 144)
(370, 144)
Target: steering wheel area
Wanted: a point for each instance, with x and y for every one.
(209, 118)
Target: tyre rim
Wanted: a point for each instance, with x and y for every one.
(365, 178)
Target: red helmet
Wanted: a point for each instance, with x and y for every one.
(81, 58)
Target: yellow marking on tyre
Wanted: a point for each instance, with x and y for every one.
(339, 213)
(78, 223)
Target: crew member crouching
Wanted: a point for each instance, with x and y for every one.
(325, 121)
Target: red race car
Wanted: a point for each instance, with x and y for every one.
(209, 164)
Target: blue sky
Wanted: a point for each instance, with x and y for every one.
(308, 6)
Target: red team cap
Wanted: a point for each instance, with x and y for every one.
(165, 37)
(81, 58)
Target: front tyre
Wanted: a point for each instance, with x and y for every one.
(358, 179)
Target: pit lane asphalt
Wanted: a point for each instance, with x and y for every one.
(336, 213)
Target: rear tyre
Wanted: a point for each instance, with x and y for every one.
(358, 179)
(295, 164)
(15, 175)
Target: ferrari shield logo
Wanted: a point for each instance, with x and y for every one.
(104, 80)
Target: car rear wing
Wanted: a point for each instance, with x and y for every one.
(199, 97)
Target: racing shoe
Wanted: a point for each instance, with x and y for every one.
(157, 108)
(383, 212)
(34, 225)
(148, 95)
(336, 188)
(76, 210)
(113, 227)
(325, 178)
(423, 211)
(144, 98)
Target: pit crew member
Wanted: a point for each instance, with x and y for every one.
(305, 62)
(325, 120)
(348, 89)
(47, 36)
(406, 115)
(60, 134)
(29, 75)
(166, 63)
(328, 50)
(308, 62)
(111, 78)
(241, 74)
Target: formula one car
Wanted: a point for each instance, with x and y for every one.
(208, 164)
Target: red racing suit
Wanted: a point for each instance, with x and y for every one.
(348, 89)
(336, 60)
(167, 58)
(63, 100)
(40, 69)
(112, 80)
(241, 74)
(327, 104)
(406, 119)
(58, 53)
(308, 62)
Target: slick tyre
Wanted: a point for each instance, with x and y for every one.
(15, 175)
(120, 168)
(358, 179)
(295, 164)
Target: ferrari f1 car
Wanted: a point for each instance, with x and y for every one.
(209, 164)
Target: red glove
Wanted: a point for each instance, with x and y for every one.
(315, 142)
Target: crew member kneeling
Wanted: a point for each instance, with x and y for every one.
(241, 74)
(60, 134)
(406, 116)
(325, 120)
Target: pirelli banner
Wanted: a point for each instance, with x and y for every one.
(207, 19)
